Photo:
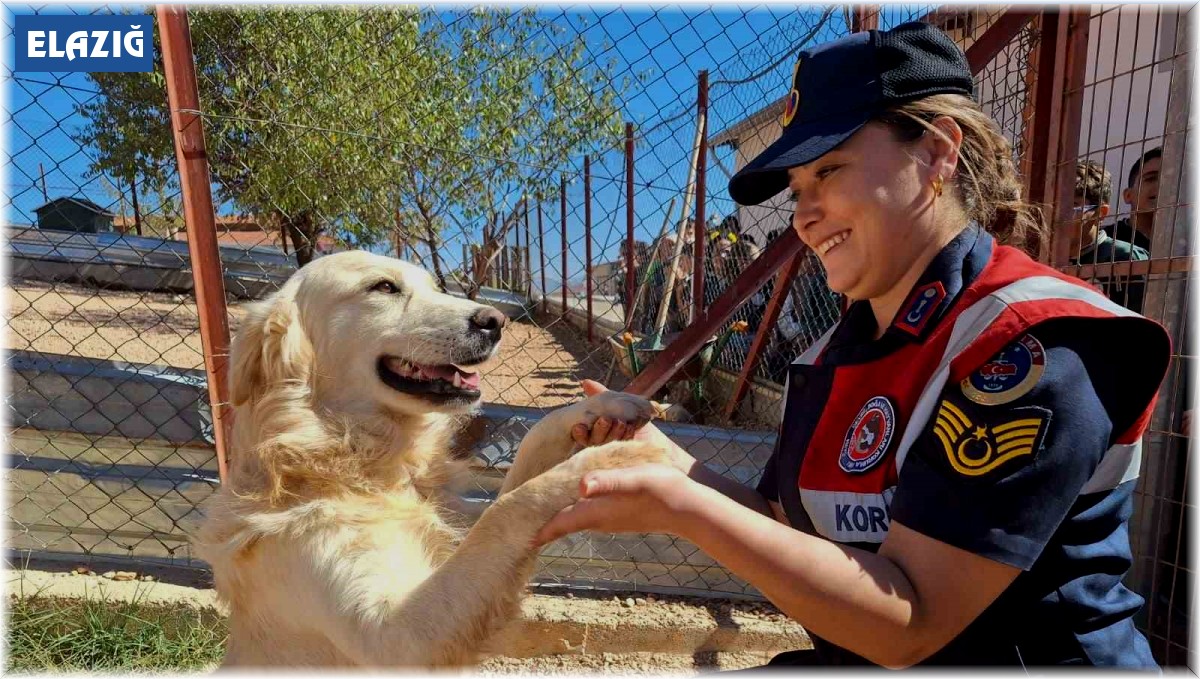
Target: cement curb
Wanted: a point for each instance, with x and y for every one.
(549, 625)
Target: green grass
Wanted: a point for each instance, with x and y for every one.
(76, 635)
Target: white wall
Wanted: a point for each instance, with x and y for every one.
(1125, 100)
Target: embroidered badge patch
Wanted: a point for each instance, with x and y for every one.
(868, 437)
(1009, 375)
(975, 448)
(920, 307)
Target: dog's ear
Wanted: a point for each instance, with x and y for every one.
(270, 348)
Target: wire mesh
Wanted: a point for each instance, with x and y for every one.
(110, 437)
(487, 145)
(1132, 210)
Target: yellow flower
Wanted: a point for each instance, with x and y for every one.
(627, 338)
(733, 238)
(740, 326)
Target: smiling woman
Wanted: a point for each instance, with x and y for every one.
(954, 472)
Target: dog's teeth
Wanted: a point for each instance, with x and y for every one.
(457, 380)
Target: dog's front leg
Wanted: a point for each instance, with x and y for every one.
(448, 618)
(549, 441)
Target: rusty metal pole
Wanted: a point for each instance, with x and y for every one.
(541, 253)
(762, 334)
(630, 261)
(701, 163)
(680, 351)
(866, 18)
(516, 254)
(1057, 113)
(527, 274)
(194, 179)
(1077, 20)
(562, 195)
(587, 239)
(505, 251)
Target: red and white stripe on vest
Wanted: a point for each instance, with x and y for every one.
(1012, 294)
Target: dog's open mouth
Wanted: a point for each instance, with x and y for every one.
(445, 381)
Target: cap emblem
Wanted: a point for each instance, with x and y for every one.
(793, 100)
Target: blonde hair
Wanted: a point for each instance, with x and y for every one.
(988, 184)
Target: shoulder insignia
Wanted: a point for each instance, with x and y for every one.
(1009, 375)
(976, 448)
(921, 305)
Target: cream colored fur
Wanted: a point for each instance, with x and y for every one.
(332, 542)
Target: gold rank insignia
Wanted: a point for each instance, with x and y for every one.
(975, 449)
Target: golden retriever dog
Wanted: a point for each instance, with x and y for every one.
(333, 541)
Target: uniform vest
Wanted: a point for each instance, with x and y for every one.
(838, 464)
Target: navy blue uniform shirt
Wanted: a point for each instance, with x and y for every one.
(1068, 605)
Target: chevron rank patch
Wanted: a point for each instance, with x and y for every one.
(983, 443)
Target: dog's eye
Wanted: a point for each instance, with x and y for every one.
(385, 286)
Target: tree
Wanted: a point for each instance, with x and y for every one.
(129, 127)
(359, 122)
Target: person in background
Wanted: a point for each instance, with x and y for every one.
(1089, 244)
(1142, 195)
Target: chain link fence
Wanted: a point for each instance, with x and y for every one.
(110, 440)
(491, 147)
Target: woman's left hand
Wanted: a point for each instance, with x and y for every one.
(651, 498)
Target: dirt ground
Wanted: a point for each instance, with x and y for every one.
(540, 363)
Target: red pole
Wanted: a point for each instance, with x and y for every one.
(190, 152)
(527, 274)
(505, 251)
(1077, 20)
(866, 18)
(698, 254)
(762, 334)
(562, 196)
(682, 348)
(629, 254)
(541, 253)
(587, 237)
(516, 258)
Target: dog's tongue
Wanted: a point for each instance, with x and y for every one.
(469, 380)
(447, 372)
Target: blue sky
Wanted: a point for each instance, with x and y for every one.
(752, 44)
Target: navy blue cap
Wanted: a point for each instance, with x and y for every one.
(839, 86)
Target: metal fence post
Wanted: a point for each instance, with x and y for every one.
(188, 132)
(562, 196)
(866, 18)
(542, 254)
(587, 240)
(678, 352)
(527, 273)
(1074, 24)
(630, 257)
(701, 163)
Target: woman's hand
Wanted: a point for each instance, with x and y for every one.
(605, 430)
(651, 498)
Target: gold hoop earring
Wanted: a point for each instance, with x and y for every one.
(937, 186)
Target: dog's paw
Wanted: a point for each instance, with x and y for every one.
(615, 405)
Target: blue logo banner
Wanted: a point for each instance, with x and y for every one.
(95, 43)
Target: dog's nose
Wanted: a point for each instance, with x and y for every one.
(489, 321)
